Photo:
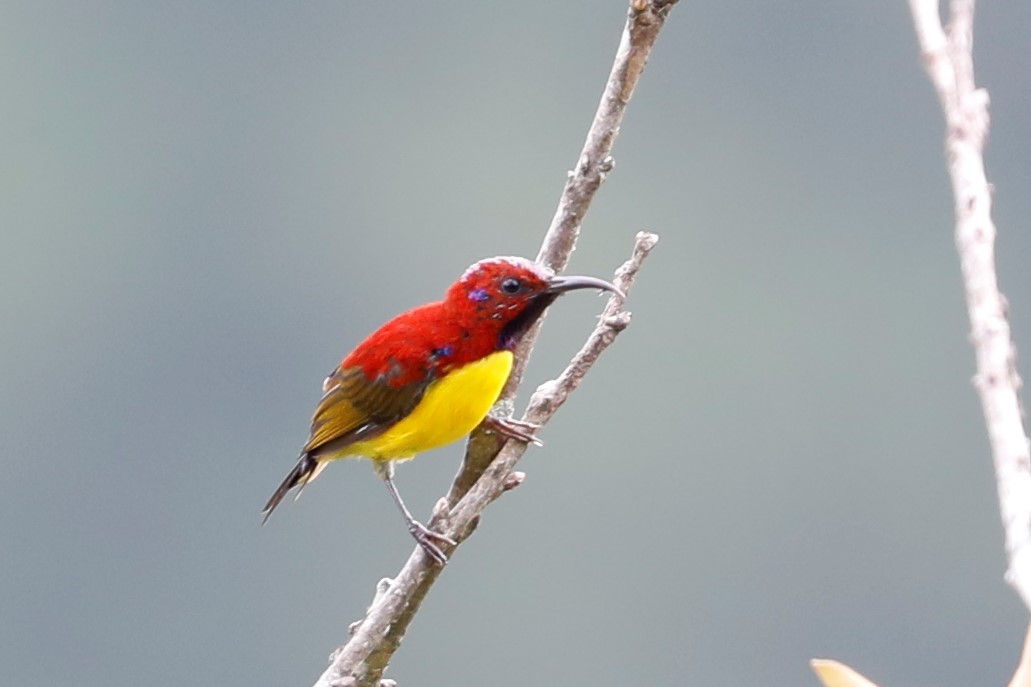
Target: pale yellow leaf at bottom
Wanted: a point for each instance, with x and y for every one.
(835, 674)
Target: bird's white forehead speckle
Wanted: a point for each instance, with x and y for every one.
(516, 261)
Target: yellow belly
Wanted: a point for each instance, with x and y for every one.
(451, 408)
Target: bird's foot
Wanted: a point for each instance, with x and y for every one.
(513, 429)
(427, 539)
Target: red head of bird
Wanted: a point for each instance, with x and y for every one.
(488, 309)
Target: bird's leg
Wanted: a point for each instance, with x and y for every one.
(424, 535)
(513, 429)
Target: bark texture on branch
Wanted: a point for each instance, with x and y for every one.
(948, 57)
(486, 472)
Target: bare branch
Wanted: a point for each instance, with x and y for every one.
(1022, 675)
(949, 62)
(487, 470)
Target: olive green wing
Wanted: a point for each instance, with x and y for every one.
(355, 408)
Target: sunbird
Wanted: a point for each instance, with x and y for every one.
(429, 377)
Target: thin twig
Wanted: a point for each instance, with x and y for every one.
(644, 21)
(949, 62)
(550, 395)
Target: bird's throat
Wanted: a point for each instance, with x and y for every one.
(513, 332)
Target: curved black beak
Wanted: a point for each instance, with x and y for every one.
(560, 284)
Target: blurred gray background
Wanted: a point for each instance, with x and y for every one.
(204, 206)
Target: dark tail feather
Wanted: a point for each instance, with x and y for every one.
(302, 473)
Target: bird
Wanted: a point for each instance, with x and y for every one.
(429, 376)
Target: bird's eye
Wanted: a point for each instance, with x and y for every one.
(511, 286)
